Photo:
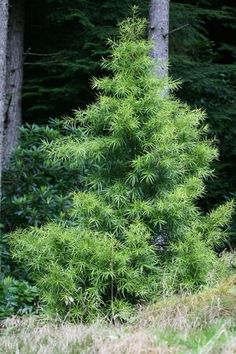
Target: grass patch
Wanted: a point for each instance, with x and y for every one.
(201, 323)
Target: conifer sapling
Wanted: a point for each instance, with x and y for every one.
(143, 157)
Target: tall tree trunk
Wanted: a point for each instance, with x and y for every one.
(4, 7)
(13, 113)
(158, 34)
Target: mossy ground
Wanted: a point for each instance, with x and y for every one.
(200, 323)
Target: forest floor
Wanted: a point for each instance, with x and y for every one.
(201, 323)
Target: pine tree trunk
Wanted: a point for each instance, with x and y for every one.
(158, 34)
(13, 113)
(3, 48)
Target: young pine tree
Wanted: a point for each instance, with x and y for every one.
(134, 224)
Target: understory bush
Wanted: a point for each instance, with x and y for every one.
(83, 273)
(33, 191)
(17, 297)
(134, 230)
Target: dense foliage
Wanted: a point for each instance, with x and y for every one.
(202, 54)
(83, 274)
(71, 40)
(142, 157)
(33, 191)
(17, 297)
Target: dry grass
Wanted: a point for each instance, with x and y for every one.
(30, 337)
(203, 323)
(196, 310)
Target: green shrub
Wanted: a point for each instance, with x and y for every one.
(143, 157)
(17, 297)
(194, 260)
(82, 274)
(33, 191)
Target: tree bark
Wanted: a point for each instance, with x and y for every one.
(4, 7)
(158, 34)
(15, 50)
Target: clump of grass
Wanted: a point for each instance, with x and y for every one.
(203, 323)
(197, 310)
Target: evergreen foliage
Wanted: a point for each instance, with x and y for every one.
(34, 192)
(83, 274)
(70, 37)
(143, 157)
(17, 297)
(202, 55)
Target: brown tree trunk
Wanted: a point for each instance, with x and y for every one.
(4, 7)
(158, 34)
(13, 115)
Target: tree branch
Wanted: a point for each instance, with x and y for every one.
(176, 29)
